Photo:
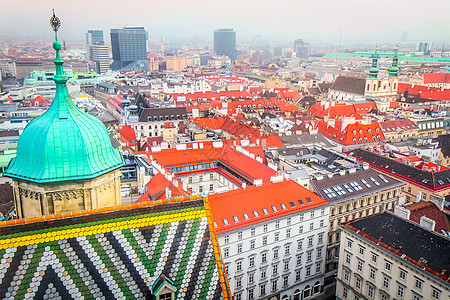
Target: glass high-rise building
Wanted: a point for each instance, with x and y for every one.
(128, 45)
(97, 51)
(225, 43)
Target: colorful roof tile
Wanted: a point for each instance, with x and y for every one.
(118, 254)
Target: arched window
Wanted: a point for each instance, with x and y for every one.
(307, 291)
(316, 287)
(297, 294)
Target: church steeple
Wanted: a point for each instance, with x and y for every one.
(63, 156)
(393, 70)
(373, 71)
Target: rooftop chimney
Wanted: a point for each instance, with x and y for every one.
(402, 212)
(427, 223)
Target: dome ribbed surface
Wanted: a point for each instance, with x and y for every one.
(64, 143)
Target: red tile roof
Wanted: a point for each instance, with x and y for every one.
(353, 134)
(128, 134)
(256, 198)
(431, 165)
(156, 189)
(341, 109)
(436, 77)
(397, 125)
(241, 163)
(229, 125)
(429, 210)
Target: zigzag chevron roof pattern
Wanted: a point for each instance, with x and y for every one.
(113, 255)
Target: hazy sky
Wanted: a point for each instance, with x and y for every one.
(276, 20)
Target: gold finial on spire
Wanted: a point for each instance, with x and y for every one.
(55, 23)
(376, 46)
(396, 47)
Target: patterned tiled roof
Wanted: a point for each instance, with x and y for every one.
(117, 254)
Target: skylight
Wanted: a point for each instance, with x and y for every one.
(355, 186)
(225, 221)
(329, 192)
(283, 206)
(374, 181)
(265, 211)
(246, 216)
(236, 219)
(215, 224)
(349, 189)
(309, 200)
(339, 190)
(274, 209)
(383, 178)
(255, 213)
(292, 204)
(300, 201)
(365, 183)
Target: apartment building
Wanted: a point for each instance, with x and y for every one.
(386, 257)
(272, 240)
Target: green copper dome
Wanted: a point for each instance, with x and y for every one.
(64, 143)
(393, 70)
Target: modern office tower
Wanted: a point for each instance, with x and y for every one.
(225, 42)
(97, 51)
(129, 47)
(94, 37)
(302, 49)
(424, 46)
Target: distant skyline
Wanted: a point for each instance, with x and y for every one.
(281, 21)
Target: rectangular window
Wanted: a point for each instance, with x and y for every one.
(264, 240)
(301, 217)
(200, 189)
(372, 273)
(309, 256)
(370, 291)
(286, 265)
(265, 228)
(253, 232)
(346, 275)
(251, 294)
(311, 226)
(262, 290)
(310, 242)
(374, 258)
(435, 294)
(240, 235)
(288, 221)
(288, 233)
(275, 253)
(300, 229)
(264, 257)
(347, 258)
(360, 265)
(419, 284)
(277, 237)
(263, 274)
(275, 269)
(239, 248)
(274, 285)
(299, 245)
(361, 250)
(312, 214)
(386, 282)
(211, 176)
(238, 282)
(358, 283)
(319, 252)
(308, 271)
(400, 291)
(299, 260)
(287, 249)
(251, 277)
(318, 267)
(349, 244)
(298, 275)
(227, 239)
(211, 187)
(239, 265)
(320, 239)
(246, 216)
(402, 274)
(252, 244)
(345, 293)
(321, 223)
(226, 252)
(251, 261)
(387, 266)
(277, 224)
(285, 280)
(265, 211)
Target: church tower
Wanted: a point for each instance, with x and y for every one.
(393, 73)
(65, 161)
(372, 79)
